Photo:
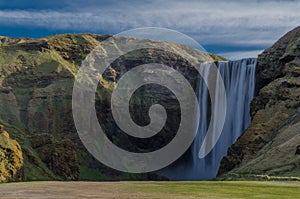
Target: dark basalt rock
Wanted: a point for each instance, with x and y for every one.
(265, 147)
(271, 62)
(297, 150)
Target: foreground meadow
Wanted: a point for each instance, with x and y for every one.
(140, 190)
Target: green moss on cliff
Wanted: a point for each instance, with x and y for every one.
(11, 159)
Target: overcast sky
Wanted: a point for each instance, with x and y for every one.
(232, 28)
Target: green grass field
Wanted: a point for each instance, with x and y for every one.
(215, 189)
(174, 190)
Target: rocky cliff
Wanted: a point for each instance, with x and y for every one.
(36, 82)
(270, 146)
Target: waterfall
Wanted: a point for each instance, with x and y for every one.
(239, 82)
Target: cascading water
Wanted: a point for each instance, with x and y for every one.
(239, 81)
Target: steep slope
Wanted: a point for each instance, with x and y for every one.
(36, 82)
(11, 159)
(270, 146)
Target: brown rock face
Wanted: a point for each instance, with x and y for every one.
(268, 145)
(11, 159)
(61, 159)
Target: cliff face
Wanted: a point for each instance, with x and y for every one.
(270, 145)
(36, 82)
(11, 159)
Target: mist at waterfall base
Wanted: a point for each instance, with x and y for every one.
(239, 82)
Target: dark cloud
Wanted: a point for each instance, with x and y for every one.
(221, 26)
(32, 5)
